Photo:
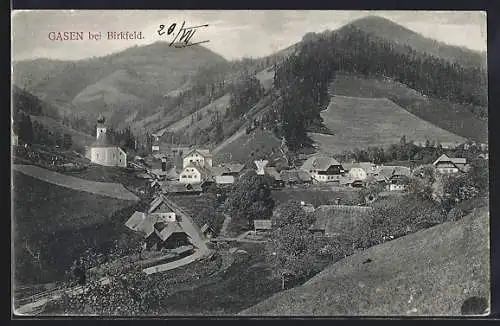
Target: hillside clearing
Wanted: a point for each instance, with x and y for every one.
(113, 190)
(453, 117)
(431, 272)
(373, 122)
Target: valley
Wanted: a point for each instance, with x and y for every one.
(346, 174)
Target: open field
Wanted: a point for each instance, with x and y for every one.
(373, 122)
(113, 190)
(455, 118)
(431, 272)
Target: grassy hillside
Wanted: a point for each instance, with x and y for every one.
(373, 122)
(47, 217)
(431, 272)
(141, 74)
(388, 30)
(455, 118)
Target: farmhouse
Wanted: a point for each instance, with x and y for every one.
(103, 152)
(336, 220)
(199, 157)
(323, 169)
(163, 228)
(448, 165)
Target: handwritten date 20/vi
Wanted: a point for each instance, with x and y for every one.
(183, 36)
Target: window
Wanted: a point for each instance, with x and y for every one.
(97, 155)
(183, 177)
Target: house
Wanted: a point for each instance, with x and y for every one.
(194, 173)
(161, 227)
(337, 220)
(295, 176)
(199, 157)
(262, 225)
(450, 165)
(226, 173)
(103, 152)
(323, 169)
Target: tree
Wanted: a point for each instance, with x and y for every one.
(250, 199)
(292, 250)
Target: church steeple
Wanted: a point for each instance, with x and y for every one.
(101, 128)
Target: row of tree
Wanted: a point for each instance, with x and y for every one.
(36, 133)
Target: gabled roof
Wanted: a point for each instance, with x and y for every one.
(140, 223)
(224, 179)
(203, 152)
(454, 160)
(227, 168)
(336, 220)
(319, 163)
(367, 166)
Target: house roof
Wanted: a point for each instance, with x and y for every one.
(140, 223)
(227, 168)
(455, 160)
(388, 171)
(320, 163)
(103, 141)
(367, 166)
(336, 220)
(224, 179)
(203, 152)
(135, 220)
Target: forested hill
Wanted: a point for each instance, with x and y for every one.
(303, 79)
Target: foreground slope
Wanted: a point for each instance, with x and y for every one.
(431, 272)
(374, 122)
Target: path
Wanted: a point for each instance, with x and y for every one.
(107, 189)
(175, 264)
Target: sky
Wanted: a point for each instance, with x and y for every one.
(232, 34)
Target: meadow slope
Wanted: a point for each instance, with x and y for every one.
(431, 272)
(373, 122)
